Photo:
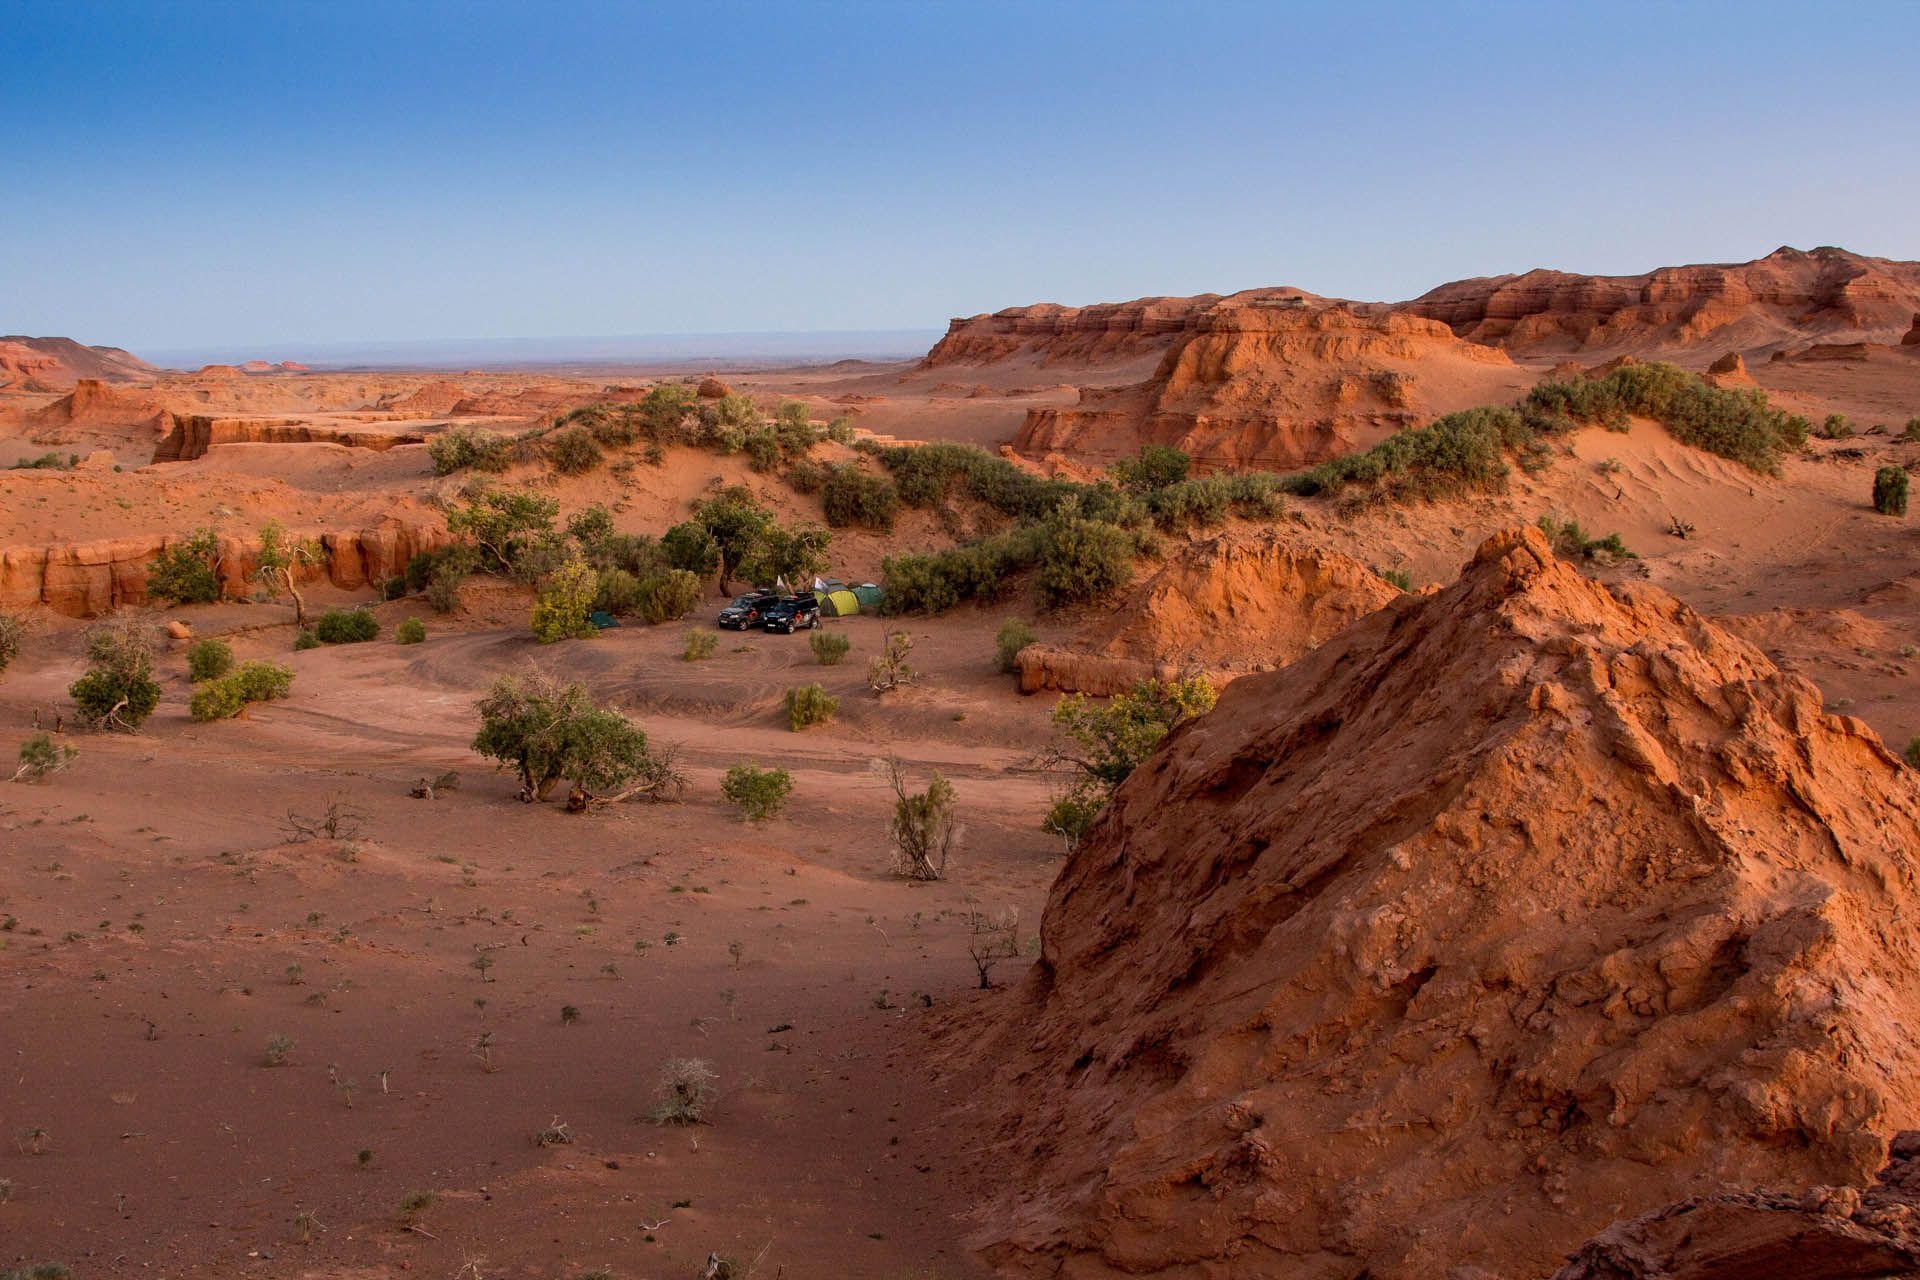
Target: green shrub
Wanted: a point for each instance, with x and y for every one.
(809, 705)
(572, 451)
(808, 476)
(1460, 453)
(852, 497)
(12, 631)
(187, 572)
(1890, 491)
(346, 626)
(762, 445)
(40, 757)
(700, 645)
(226, 697)
(1835, 427)
(889, 669)
(1158, 466)
(412, 631)
(208, 660)
(458, 448)
(1398, 577)
(1912, 754)
(923, 827)
(48, 462)
(829, 647)
(118, 690)
(562, 609)
(669, 596)
(1734, 423)
(393, 588)
(1072, 814)
(1571, 542)
(1013, 636)
(616, 592)
(760, 793)
(306, 640)
(548, 732)
(1083, 559)
(690, 546)
(1912, 433)
(983, 570)
(1207, 500)
(840, 430)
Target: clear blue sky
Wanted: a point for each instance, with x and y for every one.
(180, 175)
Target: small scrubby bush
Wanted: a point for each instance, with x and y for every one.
(12, 630)
(700, 645)
(852, 497)
(1890, 491)
(1083, 559)
(228, 696)
(1013, 636)
(561, 612)
(829, 647)
(809, 705)
(684, 1093)
(457, 448)
(760, 793)
(1399, 578)
(412, 631)
(669, 596)
(187, 572)
(923, 826)
(306, 640)
(1571, 542)
(616, 592)
(346, 626)
(573, 451)
(208, 660)
(118, 690)
(40, 757)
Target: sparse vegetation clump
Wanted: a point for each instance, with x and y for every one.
(459, 448)
(1890, 491)
(830, 648)
(1732, 422)
(228, 696)
(1013, 636)
(411, 631)
(684, 1093)
(1571, 542)
(760, 793)
(208, 660)
(924, 828)
(667, 596)
(891, 669)
(564, 608)
(187, 572)
(1399, 578)
(1460, 453)
(1208, 500)
(118, 690)
(346, 626)
(12, 632)
(1106, 743)
(700, 646)
(41, 757)
(572, 451)
(809, 705)
(548, 732)
(1082, 558)
(305, 640)
(853, 497)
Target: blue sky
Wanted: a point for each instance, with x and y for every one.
(254, 176)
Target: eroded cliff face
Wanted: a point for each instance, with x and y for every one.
(87, 579)
(1509, 911)
(1278, 384)
(193, 434)
(1788, 298)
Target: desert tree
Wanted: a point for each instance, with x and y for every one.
(281, 560)
(923, 828)
(547, 732)
(118, 690)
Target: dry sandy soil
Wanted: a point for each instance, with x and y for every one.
(153, 897)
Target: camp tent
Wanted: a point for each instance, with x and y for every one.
(868, 595)
(838, 602)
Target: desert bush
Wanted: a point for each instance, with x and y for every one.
(616, 592)
(562, 609)
(891, 669)
(923, 826)
(796, 555)
(736, 522)
(691, 547)
(12, 631)
(1207, 500)
(1071, 815)
(47, 462)
(1571, 542)
(1157, 466)
(1912, 753)
(852, 497)
(684, 1093)
(572, 451)
(829, 647)
(548, 732)
(40, 756)
(762, 446)
(208, 660)
(118, 690)
(927, 475)
(228, 696)
(1890, 491)
(1912, 431)
(809, 705)
(1734, 423)
(700, 645)
(346, 626)
(839, 430)
(1082, 559)
(458, 448)
(508, 531)
(1013, 636)
(808, 476)
(614, 425)
(1460, 453)
(760, 793)
(1107, 743)
(1834, 427)
(412, 631)
(669, 596)
(187, 572)
(305, 640)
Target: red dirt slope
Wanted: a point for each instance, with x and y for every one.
(1508, 912)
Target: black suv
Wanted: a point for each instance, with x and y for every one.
(793, 613)
(746, 611)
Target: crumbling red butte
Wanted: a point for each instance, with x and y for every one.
(1508, 912)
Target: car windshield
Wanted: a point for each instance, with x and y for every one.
(741, 602)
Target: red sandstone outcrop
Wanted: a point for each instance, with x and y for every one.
(1787, 297)
(84, 580)
(1912, 336)
(62, 361)
(1510, 911)
(1243, 601)
(1277, 383)
(193, 434)
(430, 401)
